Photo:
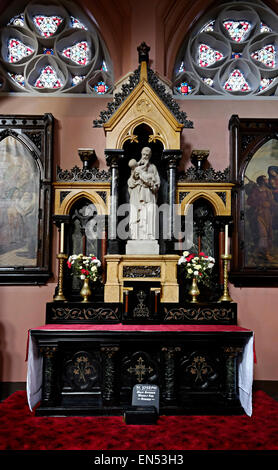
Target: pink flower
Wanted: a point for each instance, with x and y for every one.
(69, 264)
(202, 254)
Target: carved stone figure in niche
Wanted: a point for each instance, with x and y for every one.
(143, 186)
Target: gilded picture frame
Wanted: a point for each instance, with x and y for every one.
(254, 168)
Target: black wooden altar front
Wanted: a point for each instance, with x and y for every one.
(91, 369)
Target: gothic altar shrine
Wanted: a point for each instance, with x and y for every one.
(140, 325)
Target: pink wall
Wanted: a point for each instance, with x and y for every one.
(22, 308)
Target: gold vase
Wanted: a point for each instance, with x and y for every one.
(85, 291)
(194, 291)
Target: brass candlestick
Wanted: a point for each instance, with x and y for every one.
(226, 296)
(60, 296)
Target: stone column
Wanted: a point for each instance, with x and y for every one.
(171, 157)
(113, 157)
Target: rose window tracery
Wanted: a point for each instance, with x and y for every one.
(53, 48)
(231, 50)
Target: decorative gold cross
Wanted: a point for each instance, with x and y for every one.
(140, 369)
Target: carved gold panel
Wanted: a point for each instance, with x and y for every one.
(121, 268)
(218, 194)
(66, 194)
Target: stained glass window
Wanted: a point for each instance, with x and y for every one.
(48, 51)
(181, 68)
(264, 28)
(101, 88)
(77, 79)
(208, 27)
(266, 56)
(104, 67)
(208, 56)
(236, 82)
(17, 50)
(17, 20)
(79, 60)
(184, 88)
(18, 78)
(265, 82)
(48, 78)
(238, 30)
(236, 55)
(229, 50)
(208, 81)
(78, 53)
(75, 23)
(47, 25)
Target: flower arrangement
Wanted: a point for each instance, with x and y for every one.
(197, 265)
(85, 267)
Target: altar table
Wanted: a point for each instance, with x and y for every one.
(91, 369)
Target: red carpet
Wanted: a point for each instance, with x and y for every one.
(21, 430)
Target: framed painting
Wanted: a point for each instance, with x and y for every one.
(25, 198)
(254, 168)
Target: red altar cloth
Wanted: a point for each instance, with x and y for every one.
(130, 327)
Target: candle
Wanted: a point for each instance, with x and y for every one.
(62, 238)
(226, 239)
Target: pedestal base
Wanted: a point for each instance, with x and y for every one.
(142, 247)
(158, 268)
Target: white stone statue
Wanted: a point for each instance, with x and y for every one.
(143, 186)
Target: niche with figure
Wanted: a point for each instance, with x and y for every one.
(143, 137)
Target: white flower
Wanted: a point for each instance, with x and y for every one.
(82, 276)
(196, 273)
(181, 260)
(185, 253)
(198, 266)
(189, 271)
(210, 265)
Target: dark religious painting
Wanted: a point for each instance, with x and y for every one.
(25, 196)
(255, 173)
(19, 202)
